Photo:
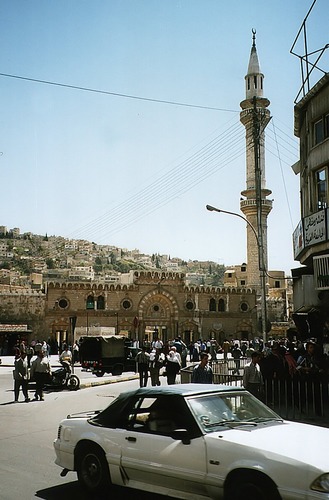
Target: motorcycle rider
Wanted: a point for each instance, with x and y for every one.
(66, 356)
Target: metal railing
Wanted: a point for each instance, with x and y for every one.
(293, 399)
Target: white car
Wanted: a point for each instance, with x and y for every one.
(195, 441)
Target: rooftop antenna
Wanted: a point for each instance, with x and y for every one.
(307, 67)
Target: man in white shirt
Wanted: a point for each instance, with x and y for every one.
(252, 376)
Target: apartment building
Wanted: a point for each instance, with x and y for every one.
(311, 236)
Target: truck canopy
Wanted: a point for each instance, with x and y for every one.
(112, 346)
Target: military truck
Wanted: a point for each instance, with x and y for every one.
(107, 354)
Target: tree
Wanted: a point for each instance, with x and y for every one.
(50, 264)
(98, 266)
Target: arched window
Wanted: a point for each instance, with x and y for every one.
(90, 302)
(212, 305)
(100, 302)
(221, 305)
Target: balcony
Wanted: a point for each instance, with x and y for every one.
(253, 203)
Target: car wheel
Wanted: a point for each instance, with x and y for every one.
(99, 374)
(93, 470)
(251, 488)
(73, 383)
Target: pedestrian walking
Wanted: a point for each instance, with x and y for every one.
(21, 377)
(202, 373)
(40, 372)
(173, 365)
(30, 354)
(226, 347)
(252, 376)
(142, 360)
(157, 359)
(236, 355)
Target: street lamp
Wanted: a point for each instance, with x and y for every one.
(262, 270)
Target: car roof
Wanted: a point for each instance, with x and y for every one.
(184, 390)
(114, 410)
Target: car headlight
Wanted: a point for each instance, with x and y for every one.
(321, 483)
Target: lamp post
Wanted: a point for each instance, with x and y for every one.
(262, 270)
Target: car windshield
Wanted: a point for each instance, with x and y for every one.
(229, 410)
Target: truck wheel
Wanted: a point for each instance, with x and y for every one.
(99, 374)
(92, 469)
(73, 383)
(117, 370)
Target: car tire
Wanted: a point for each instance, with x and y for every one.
(92, 469)
(99, 374)
(251, 487)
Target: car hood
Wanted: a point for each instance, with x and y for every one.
(294, 441)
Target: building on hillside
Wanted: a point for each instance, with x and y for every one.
(236, 276)
(195, 279)
(82, 273)
(3, 249)
(36, 281)
(15, 232)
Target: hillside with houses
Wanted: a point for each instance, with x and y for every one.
(29, 259)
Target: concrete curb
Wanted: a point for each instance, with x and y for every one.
(99, 381)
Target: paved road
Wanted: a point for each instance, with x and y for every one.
(27, 431)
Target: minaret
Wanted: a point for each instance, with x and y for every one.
(254, 205)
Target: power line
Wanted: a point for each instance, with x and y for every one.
(184, 176)
(172, 184)
(116, 94)
(283, 179)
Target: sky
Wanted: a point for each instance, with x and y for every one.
(138, 129)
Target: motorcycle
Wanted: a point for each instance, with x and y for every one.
(64, 378)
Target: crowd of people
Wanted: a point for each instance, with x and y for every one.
(32, 362)
(157, 357)
(277, 360)
(296, 372)
(267, 365)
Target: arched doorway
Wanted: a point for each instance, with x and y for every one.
(60, 334)
(244, 330)
(158, 316)
(189, 332)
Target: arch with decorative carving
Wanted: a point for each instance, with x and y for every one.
(163, 299)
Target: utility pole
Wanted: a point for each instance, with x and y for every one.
(257, 131)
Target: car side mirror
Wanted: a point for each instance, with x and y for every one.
(181, 435)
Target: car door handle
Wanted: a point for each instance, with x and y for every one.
(132, 439)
